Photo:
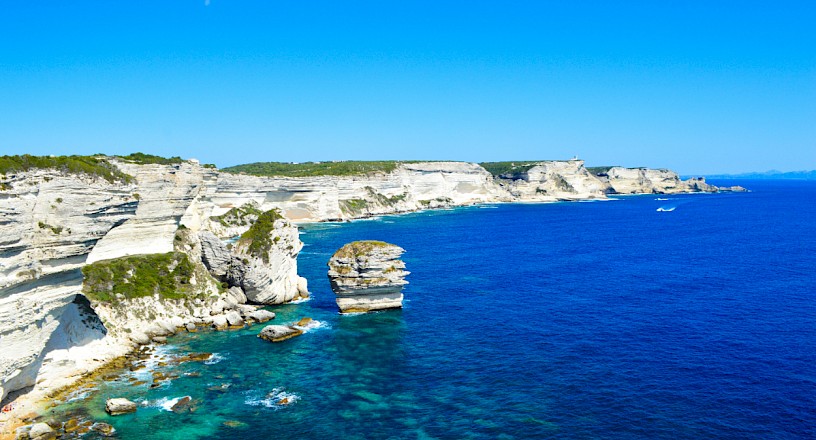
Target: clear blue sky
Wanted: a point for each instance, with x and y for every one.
(700, 87)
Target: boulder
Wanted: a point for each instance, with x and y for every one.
(119, 406)
(37, 431)
(367, 276)
(219, 322)
(234, 319)
(278, 333)
(237, 294)
(261, 315)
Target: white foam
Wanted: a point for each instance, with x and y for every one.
(78, 395)
(313, 325)
(214, 359)
(301, 300)
(165, 403)
(669, 209)
(274, 399)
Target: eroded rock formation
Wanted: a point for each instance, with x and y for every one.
(367, 276)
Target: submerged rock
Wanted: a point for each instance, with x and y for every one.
(119, 406)
(367, 276)
(278, 333)
(185, 404)
(103, 428)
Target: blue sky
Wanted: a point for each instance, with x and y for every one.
(700, 87)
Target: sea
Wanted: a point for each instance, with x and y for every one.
(642, 317)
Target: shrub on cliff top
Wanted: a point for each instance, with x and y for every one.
(167, 275)
(97, 166)
(308, 169)
(258, 238)
(511, 168)
(144, 158)
(359, 248)
(239, 216)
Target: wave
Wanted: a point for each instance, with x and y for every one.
(164, 404)
(300, 300)
(276, 399)
(214, 359)
(314, 325)
(666, 209)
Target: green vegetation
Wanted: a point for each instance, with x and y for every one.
(599, 171)
(209, 165)
(512, 169)
(167, 275)
(96, 166)
(359, 248)
(383, 199)
(143, 158)
(308, 169)
(562, 184)
(240, 216)
(258, 237)
(353, 206)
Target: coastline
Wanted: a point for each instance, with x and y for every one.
(38, 396)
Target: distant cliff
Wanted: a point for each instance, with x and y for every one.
(60, 215)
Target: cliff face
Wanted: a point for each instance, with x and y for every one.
(556, 180)
(55, 223)
(50, 222)
(644, 181)
(408, 188)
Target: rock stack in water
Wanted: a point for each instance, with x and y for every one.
(367, 276)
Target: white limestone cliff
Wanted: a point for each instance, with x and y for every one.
(555, 180)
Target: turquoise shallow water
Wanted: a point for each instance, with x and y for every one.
(569, 320)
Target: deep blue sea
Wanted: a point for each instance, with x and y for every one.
(528, 321)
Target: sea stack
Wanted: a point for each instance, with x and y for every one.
(367, 276)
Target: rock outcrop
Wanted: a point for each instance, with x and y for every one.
(367, 276)
(278, 333)
(118, 406)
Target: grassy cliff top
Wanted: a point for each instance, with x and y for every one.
(258, 237)
(96, 166)
(359, 248)
(167, 275)
(508, 167)
(309, 169)
(143, 158)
